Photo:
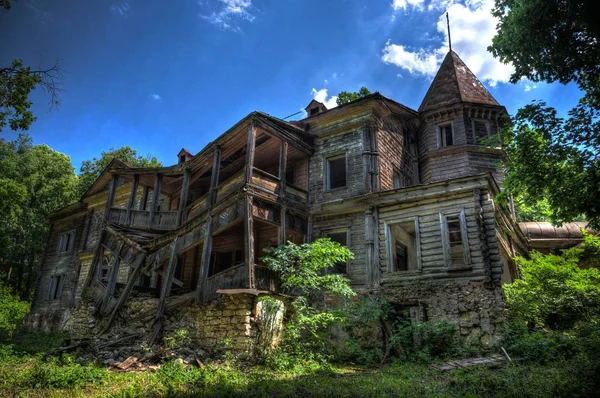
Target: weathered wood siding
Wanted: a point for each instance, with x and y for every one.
(395, 155)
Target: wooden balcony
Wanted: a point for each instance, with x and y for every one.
(166, 220)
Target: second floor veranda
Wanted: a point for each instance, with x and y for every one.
(261, 155)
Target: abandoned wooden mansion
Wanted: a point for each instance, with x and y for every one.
(412, 193)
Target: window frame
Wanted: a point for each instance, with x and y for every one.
(326, 167)
(488, 128)
(392, 242)
(464, 234)
(441, 138)
(396, 176)
(56, 284)
(60, 247)
(345, 230)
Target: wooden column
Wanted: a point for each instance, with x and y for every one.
(207, 245)
(112, 188)
(250, 147)
(112, 277)
(144, 198)
(282, 167)
(155, 198)
(214, 177)
(187, 174)
(98, 255)
(249, 240)
(282, 226)
(132, 194)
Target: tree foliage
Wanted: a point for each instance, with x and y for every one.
(35, 180)
(91, 169)
(345, 96)
(554, 291)
(12, 311)
(550, 40)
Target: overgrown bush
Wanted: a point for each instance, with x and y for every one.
(554, 292)
(424, 341)
(12, 312)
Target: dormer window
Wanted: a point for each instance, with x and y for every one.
(182, 159)
(314, 111)
(445, 135)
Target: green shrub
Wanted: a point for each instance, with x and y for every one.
(424, 341)
(12, 312)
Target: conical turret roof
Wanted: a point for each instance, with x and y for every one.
(455, 83)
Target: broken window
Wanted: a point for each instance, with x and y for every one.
(455, 240)
(445, 136)
(336, 172)
(66, 242)
(222, 261)
(402, 247)
(340, 237)
(481, 130)
(55, 287)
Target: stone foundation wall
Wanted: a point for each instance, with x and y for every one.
(477, 311)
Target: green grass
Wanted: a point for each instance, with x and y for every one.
(32, 375)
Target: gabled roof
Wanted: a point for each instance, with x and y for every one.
(455, 83)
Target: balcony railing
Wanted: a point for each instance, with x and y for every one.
(165, 220)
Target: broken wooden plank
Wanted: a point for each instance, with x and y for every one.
(126, 363)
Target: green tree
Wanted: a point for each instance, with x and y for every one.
(12, 312)
(345, 96)
(91, 169)
(554, 291)
(553, 159)
(16, 83)
(35, 180)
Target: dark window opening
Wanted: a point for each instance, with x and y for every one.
(342, 239)
(401, 257)
(290, 175)
(397, 180)
(336, 172)
(222, 261)
(65, 242)
(481, 132)
(182, 159)
(455, 240)
(314, 111)
(445, 137)
(55, 287)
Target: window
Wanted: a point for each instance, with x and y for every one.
(314, 111)
(222, 261)
(55, 287)
(336, 172)
(66, 242)
(340, 237)
(455, 240)
(397, 181)
(290, 175)
(481, 130)
(445, 135)
(182, 159)
(402, 246)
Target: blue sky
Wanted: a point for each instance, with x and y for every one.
(159, 76)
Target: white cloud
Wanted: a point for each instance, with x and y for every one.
(121, 9)
(472, 29)
(228, 12)
(155, 97)
(530, 87)
(404, 4)
(321, 96)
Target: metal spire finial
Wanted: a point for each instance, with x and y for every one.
(449, 40)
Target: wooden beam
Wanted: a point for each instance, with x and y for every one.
(205, 261)
(249, 240)
(132, 194)
(250, 148)
(282, 226)
(98, 254)
(166, 286)
(137, 268)
(144, 199)
(112, 188)
(112, 277)
(187, 173)
(155, 198)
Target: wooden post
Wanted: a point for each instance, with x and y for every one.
(282, 167)
(282, 226)
(250, 147)
(155, 198)
(112, 277)
(187, 174)
(166, 287)
(137, 268)
(132, 194)
(249, 240)
(98, 254)
(144, 199)
(112, 188)
(205, 260)
(214, 177)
